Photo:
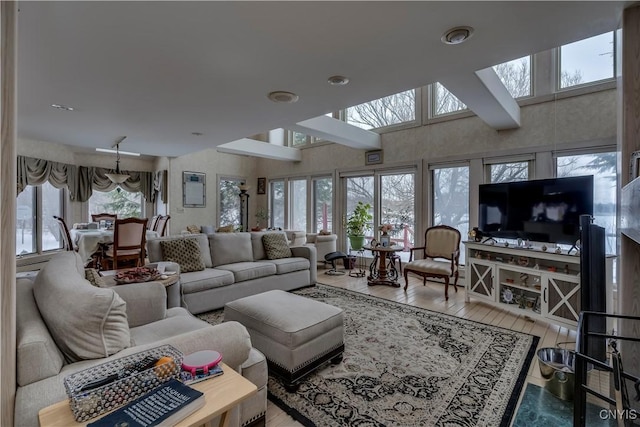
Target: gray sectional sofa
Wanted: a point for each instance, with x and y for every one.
(236, 266)
(64, 325)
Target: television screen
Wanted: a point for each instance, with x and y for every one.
(544, 210)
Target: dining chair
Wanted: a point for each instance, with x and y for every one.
(151, 225)
(64, 233)
(104, 216)
(129, 239)
(441, 257)
(161, 224)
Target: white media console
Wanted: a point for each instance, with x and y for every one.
(530, 282)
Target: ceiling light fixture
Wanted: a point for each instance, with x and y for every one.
(62, 107)
(338, 80)
(118, 178)
(284, 97)
(457, 35)
(196, 133)
(124, 153)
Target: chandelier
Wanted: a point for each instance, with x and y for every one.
(118, 177)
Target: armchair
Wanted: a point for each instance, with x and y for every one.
(441, 254)
(324, 244)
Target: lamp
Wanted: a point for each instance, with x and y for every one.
(118, 178)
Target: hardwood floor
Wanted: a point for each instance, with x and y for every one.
(431, 297)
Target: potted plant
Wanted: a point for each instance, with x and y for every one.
(358, 223)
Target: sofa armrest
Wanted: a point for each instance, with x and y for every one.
(308, 252)
(146, 302)
(230, 339)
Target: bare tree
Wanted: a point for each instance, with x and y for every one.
(444, 101)
(516, 76)
(398, 108)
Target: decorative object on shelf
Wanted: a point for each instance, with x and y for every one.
(524, 279)
(507, 295)
(523, 261)
(118, 177)
(566, 269)
(475, 234)
(544, 248)
(512, 260)
(509, 280)
(536, 266)
(530, 302)
(357, 224)
(536, 306)
(506, 244)
(536, 282)
(491, 242)
(521, 301)
(558, 250)
(519, 242)
(552, 269)
(244, 206)
(478, 254)
(262, 186)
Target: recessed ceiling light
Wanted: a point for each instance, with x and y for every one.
(338, 80)
(457, 35)
(62, 107)
(283, 97)
(109, 150)
(196, 133)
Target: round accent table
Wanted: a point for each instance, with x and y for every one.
(385, 272)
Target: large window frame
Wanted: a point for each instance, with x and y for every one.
(40, 221)
(117, 192)
(233, 182)
(559, 87)
(511, 166)
(286, 205)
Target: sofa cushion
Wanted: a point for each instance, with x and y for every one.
(85, 322)
(243, 271)
(276, 246)
(228, 248)
(209, 278)
(154, 250)
(184, 252)
(288, 265)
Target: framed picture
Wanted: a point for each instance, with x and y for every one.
(193, 189)
(262, 185)
(373, 157)
(385, 241)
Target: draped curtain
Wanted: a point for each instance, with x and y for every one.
(82, 180)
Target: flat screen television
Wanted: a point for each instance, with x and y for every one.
(543, 210)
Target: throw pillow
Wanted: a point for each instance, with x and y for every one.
(85, 322)
(225, 229)
(185, 252)
(193, 229)
(324, 232)
(276, 246)
(92, 275)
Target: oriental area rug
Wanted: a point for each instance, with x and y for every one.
(407, 366)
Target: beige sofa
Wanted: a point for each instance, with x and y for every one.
(324, 244)
(236, 266)
(64, 325)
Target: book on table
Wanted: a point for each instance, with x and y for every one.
(165, 405)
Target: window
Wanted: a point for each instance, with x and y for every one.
(397, 200)
(36, 230)
(444, 102)
(359, 189)
(297, 139)
(516, 76)
(387, 111)
(276, 199)
(229, 201)
(603, 168)
(322, 204)
(450, 193)
(587, 60)
(117, 201)
(298, 204)
(509, 172)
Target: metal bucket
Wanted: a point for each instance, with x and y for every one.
(557, 369)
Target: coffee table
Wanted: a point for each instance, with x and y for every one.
(221, 394)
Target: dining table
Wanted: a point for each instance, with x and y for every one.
(88, 241)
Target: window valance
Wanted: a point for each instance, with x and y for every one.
(82, 180)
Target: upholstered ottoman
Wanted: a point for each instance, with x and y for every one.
(296, 334)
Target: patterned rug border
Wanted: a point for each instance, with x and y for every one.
(510, 410)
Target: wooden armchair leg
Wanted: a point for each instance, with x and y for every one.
(446, 288)
(406, 280)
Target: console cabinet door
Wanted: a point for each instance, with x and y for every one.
(480, 281)
(561, 298)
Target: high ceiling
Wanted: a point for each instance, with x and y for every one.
(159, 71)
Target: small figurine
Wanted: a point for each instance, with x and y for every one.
(558, 250)
(536, 267)
(524, 278)
(506, 244)
(566, 269)
(519, 242)
(544, 248)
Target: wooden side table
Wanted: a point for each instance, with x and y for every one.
(381, 275)
(221, 394)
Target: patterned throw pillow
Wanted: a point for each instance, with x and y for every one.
(193, 229)
(184, 252)
(92, 275)
(276, 246)
(226, 229)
